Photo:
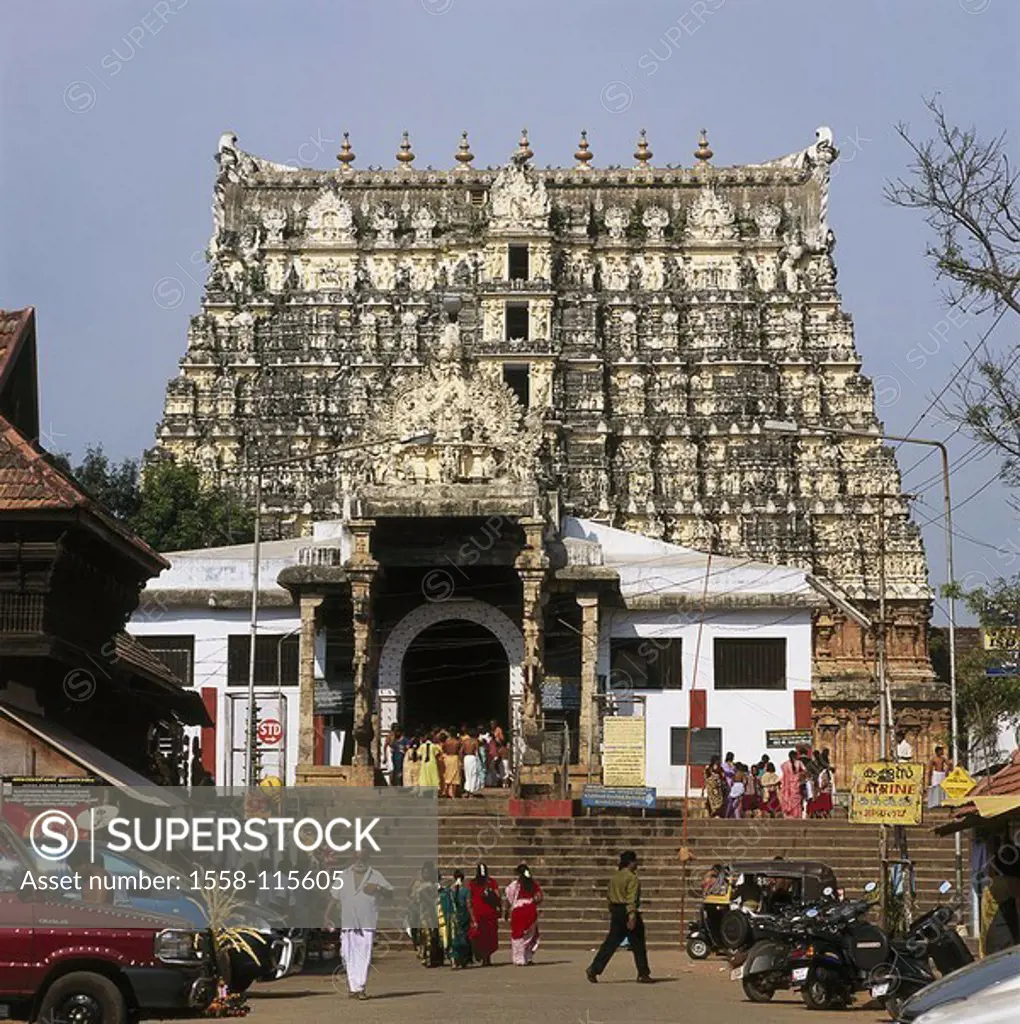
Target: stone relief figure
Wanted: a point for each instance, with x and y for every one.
(383, 273)
(494, 263)
(617, 219)
(424, 223)
(274, 220)
(423, 276)
(792, 254)
(582, 270)
(368, 331)
(768, 217)
(331, 219)
(275, 275)
(670, 328)
(615, 273)
(711, 218)
(539, 263)
(357, 393)
(518, 201)
(628, 334)
(767, 273)
(652, 278)
(656, 220)
(384, 223)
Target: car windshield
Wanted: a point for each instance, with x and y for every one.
(965, 982)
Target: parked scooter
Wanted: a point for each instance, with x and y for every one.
(843, 954)
(764, 969)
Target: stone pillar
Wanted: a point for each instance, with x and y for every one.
(531, 565)
(306, 678)
(589, 678)
(362, 570)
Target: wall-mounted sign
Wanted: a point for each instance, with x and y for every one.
(787, 739)
(882, 793)
(623, 751)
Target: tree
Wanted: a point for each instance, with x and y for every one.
(177, 513)
(985, 703)
(114, 486)
(966, 187)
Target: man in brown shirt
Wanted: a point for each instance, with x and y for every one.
(625, 921)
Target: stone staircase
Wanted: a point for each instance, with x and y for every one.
(572, 859)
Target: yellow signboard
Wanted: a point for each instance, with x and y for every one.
(1002, 638)
(957, 784)
(886, 794)
(623, 751)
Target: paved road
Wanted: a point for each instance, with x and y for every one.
(553, 991)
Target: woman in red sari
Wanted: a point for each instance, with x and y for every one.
(790, 795)
(523, 895)
(485, 906)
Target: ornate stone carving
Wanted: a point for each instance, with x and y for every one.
(711, 218)
(617, 219)
(518, 200)
(331, 219)
(656, 220)
(424, 224)
(274, 220)
(384, 223)
(768, 217)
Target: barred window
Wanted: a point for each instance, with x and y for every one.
(750, 664)
(645, 663)
(706, 743)
(176, 652)
(276, 660)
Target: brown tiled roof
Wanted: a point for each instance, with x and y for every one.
(14, 325)
(1005, 782)
(140, 658)
(28, 481)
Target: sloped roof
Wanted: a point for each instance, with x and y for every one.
(14, 328)
(1005, 782)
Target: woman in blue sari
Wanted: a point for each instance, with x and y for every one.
(456, 920)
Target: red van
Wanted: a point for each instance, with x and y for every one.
(65, 961)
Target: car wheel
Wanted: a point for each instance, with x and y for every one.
(82, 997)
(735, 929)
(760, 988)
(697, 949)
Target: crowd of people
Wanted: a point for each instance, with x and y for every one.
(804, 787)
(456, 922)
(456, 762)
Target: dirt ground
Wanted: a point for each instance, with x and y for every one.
(554, 989)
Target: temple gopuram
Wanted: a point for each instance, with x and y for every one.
(483, 354)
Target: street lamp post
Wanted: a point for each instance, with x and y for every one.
(256, 558)
(787, 427)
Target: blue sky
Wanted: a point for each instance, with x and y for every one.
(110, 112)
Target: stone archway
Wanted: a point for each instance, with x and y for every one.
(391, 658)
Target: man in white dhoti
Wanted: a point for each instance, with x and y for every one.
(474, 772)
(359, 893)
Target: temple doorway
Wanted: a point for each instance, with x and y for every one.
(454, 672)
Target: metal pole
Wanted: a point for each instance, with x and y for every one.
(953, 711)
(256, 557)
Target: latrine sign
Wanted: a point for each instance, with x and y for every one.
(882, 793)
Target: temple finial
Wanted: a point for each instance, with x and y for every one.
(405, 154)
(704, 150)
(643, 153)
(464, 156)
(584, 153)
(524, 152)
(346, 154)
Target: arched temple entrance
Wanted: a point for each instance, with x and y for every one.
(451, 662)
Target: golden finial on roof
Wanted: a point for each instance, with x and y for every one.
(643, 153)
(464, 156)
(704, 150)
(405, 155)
(524, 152)
(346, 154)
(584, 153)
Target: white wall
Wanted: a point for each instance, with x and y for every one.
(210, 628)
(743, 715)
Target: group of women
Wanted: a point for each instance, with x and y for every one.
(457, 922)
(803, 788)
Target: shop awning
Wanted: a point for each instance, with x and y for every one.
(91, 758)
(980, 810)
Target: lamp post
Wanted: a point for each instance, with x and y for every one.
(256, 558)
(787, 427)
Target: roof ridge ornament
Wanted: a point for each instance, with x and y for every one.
(405, 154)
(704, 150)
(584, 153)
(643, 153)
(346, 155)
(464, 156)
(524, 151)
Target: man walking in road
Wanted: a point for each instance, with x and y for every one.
(624, 920)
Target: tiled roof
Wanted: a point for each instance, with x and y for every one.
(140, 658)
(13, 325)
(1005, 782)
(29, 480)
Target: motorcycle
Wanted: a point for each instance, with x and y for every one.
(845, 955)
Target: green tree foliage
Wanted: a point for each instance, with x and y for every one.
(176, 512)
(167, 505)
(986, 703)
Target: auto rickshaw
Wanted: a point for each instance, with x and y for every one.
(724, 922)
